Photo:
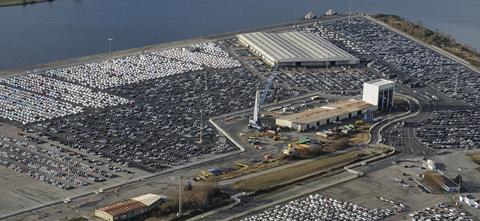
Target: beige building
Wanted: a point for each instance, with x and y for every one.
(316, 117)
(130, 209)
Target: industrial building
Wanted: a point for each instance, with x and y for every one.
(295, 49)
(130, 209)
(320, 116)
(379, 92)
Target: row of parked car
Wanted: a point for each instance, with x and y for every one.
(451, 129)
(404, 55)
(27, 107)
(318, 207)
(439, 212)
(133, 69)
(65, 91)
(49, 165)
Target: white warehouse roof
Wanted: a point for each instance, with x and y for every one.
(380, 82)
(149, 199)
(294, 46)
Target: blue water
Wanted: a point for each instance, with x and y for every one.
(64, 29)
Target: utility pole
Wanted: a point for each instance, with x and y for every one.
(201, 128)
(110, 45)
(456, 83)
(349, 11)
(180, 193)
(459, 183)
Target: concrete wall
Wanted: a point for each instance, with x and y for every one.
(370, 94)
(283, 123)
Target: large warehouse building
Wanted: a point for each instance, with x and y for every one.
(320, 116)
(295, 49)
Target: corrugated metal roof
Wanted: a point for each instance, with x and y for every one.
(148, 199)
(327, 111)
(123, 207)
(295, 46)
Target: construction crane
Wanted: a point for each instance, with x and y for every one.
(260, 98)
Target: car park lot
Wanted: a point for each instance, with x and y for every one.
(29, 184)
(338, 80)
(146, 111)
(451, 129)
(377, 188)
(161, 128)
(373, 41)
(441, 211)
(315, 206)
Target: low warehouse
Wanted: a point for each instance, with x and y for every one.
(295, 49)
(130, 209)
(320, 116)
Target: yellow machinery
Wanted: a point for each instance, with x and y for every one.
(242, 165)
(292, 148)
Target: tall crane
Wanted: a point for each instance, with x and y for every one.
(260, 98)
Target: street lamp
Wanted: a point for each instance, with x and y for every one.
(110, 45)
(459, 183)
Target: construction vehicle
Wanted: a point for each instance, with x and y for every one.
(301, 145)
(205, 174)
(260, 98)
(241, 164)
(293, 148)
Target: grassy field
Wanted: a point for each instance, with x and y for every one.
(19, 2)
(440, 40)
(475, 157)
(277, 177)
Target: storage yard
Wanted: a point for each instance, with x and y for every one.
(451, 129)
(316, 206)
(80, 129)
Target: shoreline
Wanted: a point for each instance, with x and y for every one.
(9, 72)
(435, 38)
(6, 3)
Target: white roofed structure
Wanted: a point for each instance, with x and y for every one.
(295, 49)
(149, 199)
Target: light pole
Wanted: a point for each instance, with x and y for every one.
(180, 194)
(349, 11)
(110, 45)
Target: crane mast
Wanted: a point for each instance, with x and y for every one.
(260, 98)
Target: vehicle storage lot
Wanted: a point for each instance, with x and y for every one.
(161, 128)
(367, 190)
(23, 189)
(367, 38)
(316, 206)
(451, 129)
(145, 110)
(333, 81)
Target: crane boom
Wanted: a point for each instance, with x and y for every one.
(265, 90)
(260, 98)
